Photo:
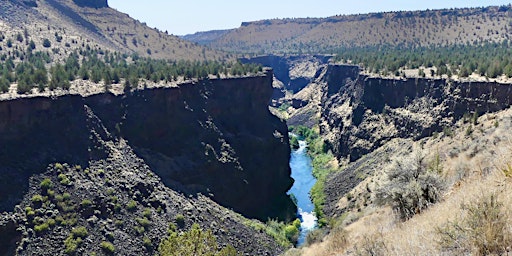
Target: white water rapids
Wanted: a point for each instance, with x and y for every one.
(300, 163)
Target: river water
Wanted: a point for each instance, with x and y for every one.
(300, 163)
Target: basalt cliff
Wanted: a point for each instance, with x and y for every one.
(170, 150)
(361, 113)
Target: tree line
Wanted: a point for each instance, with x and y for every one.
(37, 69)
(488, 59)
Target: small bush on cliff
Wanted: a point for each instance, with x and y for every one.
(411, 186)
(46, 184)
(193, 242)
(107, 247)
(180, 220)
(294, 142)
(292, 233)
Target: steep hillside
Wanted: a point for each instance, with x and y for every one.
(327, 35)
(69, 25)
(103, 152)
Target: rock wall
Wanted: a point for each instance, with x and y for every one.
(361, 113)
(92, 3)
(216, 137)
(294, 72)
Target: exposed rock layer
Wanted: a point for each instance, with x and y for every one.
(92, 3)
(361, 113)
(216, 137)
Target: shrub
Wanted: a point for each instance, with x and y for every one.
(51, 222)
(132, 206)
(47, 43)
(86, 203)
(71, 244)
(143, 222)
(411, 187)
(193, 242)
(180, 220)
(146, 241)
(4, 84)
(66, 196)
(294, 142)
(64, 180)
(139, 229)
(46, 184)
(147, 213)
(372, 245)
(42, 227)
(59, 167)
(37, 199)
(79, 232)
(482, 231)
(107, 247)
(292, 233)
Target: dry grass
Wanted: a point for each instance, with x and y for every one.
(475, 209)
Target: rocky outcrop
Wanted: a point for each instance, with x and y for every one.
(361, 113)
(294, 72)
(92, 3)
(116, 199)
(216, 137)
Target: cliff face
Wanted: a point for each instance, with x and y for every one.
(216, 137)
(92, 3)
(361, 113)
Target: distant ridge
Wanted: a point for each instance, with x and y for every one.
(403, 28)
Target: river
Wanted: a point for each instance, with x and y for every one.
(300, 163)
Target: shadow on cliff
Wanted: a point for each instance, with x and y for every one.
(215, 137)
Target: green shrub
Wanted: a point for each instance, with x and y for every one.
(79, 232)
(132, 206)
(37, 199)
(294, 142)
(71, 244)
(146, 241)
(296, 223)
(64, 180)
(292, 233)
(140, 230)
(193, 242)
(86, 203)
(4, 85)
(42, 227)
(143, 222)
(147, 213)
(107, 247)
(46, 184)
(59, 166)
(180, 220)
(119, 223)
(51, 222)
(50, 193)
(66, 196)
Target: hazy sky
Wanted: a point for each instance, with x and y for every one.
(181, 17)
